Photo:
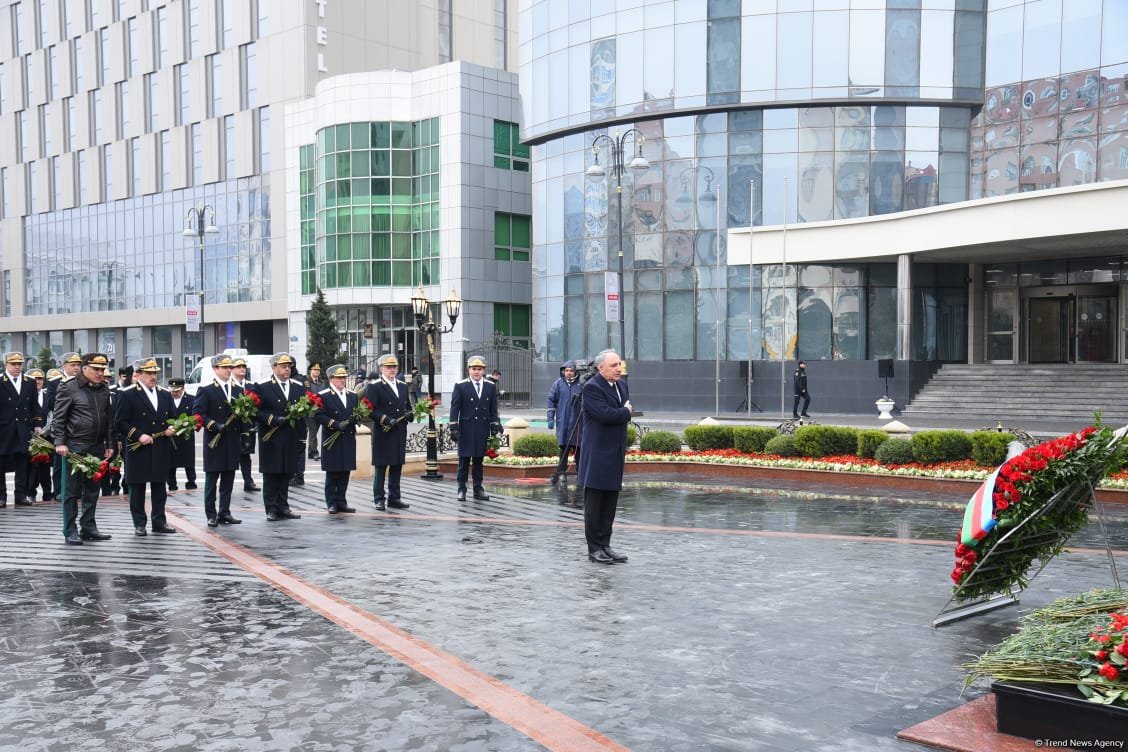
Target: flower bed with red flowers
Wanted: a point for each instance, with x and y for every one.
(1027, 528)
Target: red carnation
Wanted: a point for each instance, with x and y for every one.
(367, 403)
(1122, 648)
(255, 398)
(1110, 672)
(1101, 655)
(97, 476)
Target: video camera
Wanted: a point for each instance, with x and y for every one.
(584, 371)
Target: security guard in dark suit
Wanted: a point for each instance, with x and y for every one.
(336, 420)
(141, 415)
(17, 411)
(473, 419)
(281, 455)
(71, 364)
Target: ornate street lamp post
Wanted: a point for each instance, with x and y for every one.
(618, 143)
(196, 226)
(424, 322)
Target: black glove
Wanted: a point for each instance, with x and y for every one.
(401, 419)
(454, 434)
(495, 429)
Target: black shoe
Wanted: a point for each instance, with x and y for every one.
(555, 479)
(795, 416)
(805, 415)
(462, 494)
(227, 519)
(213, 522)
(191, 485)
(379, 505)
(314, 456)
(251, 488)
(163, 529)
(22, 502)
(31, 498)
(599, 556)
(139, 531)
(332, 510)
(173, 487)
(616, 556)
(3, 503)
(96, 535)
(297, 480)
(74, 539)
(288, 515)
(272, 517)
(345, 509)
(397, 504)
(481, 496)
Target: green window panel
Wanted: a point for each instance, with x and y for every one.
(401, 273)
(329, 275)
(361, 135)
(381, 136)
(381, 163)
(401, 245)
(344, 247)
(362, 246)
(381, 246)
(382, 273)
(344, 142)
(511, 237)
(361, 273)
(401, 135)
(344, 275)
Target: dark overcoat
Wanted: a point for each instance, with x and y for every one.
(16, 414)
(474, 417)
(604, 447)
(563, 408)
(247, 434)
(135, 415)
(211, 404)
(335, 419)
(388, 447)
(183, 448)
(284, 452)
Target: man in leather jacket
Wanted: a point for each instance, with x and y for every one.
(83, 424)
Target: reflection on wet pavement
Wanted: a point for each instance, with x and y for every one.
(706, 640)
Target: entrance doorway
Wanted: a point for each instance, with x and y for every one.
(1076, 327)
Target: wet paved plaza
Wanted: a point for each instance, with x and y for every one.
(746, 619)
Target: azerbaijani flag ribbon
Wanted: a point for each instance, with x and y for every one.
(979, 516)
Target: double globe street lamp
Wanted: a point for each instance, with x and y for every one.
(196, 226)
(617, 144)
(425, 324)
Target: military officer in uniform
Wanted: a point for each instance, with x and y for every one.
(17, 411)
(83, 424)
(473, 419)
(213, 405)
(391, 412)
(313, 383)
(281, 455)
(72, 362)
(183, 448)
(247, 437)
(336, 419)
(141, 415)
(39, 475)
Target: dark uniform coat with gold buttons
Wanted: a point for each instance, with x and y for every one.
(475, 417)
(336, 418)
(211, 404)
(16, 414)
(284, 452)
(135, 415)
(389, 447)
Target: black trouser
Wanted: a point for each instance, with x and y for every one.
(245, 469)
(17, 463)
(189, 475)
(276, 492)
(562, 463)
(158, 492)
(57, 475)
(312, 445)
(393, 473)
(79, 485)
(225, 480)
(336, 486)
(599, 515)
(111, 482)
(464, 469)
(806, 403)
(39, 478)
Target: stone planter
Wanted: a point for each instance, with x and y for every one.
(884, 406)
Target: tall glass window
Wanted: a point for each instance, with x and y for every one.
(444, 39)
(226, 24)
(162, 38)
(123, 109)
(264, 139)
(229, 152)
(80, 177)
(78, 67)
(4, 193)
(3, 89)
(263, 18)
(511, 237)
(183, 96)
(32, 79)
(250, 76)
(57, 183)
(107, 172)
(70, 127)
(23, 136)
(133, 48)
(42, 14)
(215, 85)
(153, 95)
(46, 148)
(54, 75)
(192, 22)
(95, 104)
(165, 170)
(104, 57)
(71, 19)
(136, 166)
(197, 155)
(18, 29)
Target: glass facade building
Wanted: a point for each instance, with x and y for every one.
(760, 113)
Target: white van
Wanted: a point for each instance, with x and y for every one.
(258, 369)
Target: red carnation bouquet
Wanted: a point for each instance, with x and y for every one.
(41, 450)
(361, 413)
(89, 466)
(1109, 647)
(424, 407)
(298, 411)
(493, 443)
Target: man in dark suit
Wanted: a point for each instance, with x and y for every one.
(183, 449)
(606, 413)
(38, 474)
(473, 419)
(799, 386)
(83, 424)
(391, 412)
(281, 455)
(17, 411)
(141, 415)
(335, 419)
(213, 405)
(312, 383)
(247, 437)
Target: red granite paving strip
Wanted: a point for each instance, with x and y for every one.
(539, 722)
(968, 728)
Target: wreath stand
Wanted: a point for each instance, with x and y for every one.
(990, 568)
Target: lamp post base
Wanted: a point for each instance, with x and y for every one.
(432, 464)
